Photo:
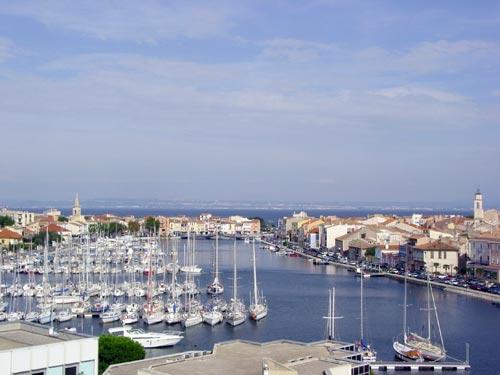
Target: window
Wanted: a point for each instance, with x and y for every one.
(444, 254)
(432, 254)
(87, 368)
(70, 370)
(439, 254)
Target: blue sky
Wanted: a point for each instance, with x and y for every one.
(250, 100)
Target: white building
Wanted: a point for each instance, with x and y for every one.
(21, 218)
(30, 349)
(332, 232)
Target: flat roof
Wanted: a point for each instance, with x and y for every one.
(15, 335)
(245, 358)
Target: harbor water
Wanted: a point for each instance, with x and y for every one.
(297, 294)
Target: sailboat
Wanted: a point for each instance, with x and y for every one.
(216, 286)
(258, 306)
(330, 319)
(401, 349)
(429, 350)
(367, 353)
(173, 305)
(153, 311)
(235, 314)
(46, 314)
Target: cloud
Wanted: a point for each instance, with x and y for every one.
(147, 21)
(6, 49)
(294, 49)
(409, 91)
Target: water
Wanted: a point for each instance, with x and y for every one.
(297, 294)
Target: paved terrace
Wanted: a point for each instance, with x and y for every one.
(246, 358)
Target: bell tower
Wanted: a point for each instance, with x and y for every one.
(478, 205)
(77, 211)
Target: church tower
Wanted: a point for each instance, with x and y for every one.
(77, 211)
(478, 206)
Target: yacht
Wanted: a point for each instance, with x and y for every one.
(110, 316)
(130, 318)
(64, 316)
(216, 286)
(257, 308)
(150, 339)
(235, 314)
(212, 316)
(367, 352)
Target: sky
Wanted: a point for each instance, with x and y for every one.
(318, 100)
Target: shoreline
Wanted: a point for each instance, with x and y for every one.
(445, 287)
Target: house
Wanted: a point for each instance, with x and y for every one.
(485, 255)
(9, 237)
(357, 249)
(434, 256)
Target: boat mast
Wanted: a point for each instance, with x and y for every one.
(255, 291)
(235, 284)
(404, 312)
(216, 278)
(361, 317)
(437, 319)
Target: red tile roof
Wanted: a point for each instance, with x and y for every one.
(8, 234)
(54, 228)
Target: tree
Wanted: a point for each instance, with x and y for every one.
(152, 224)
(109, 229)
(118, 349)
(134, 226)
(39, 239)
(370, 252)
(62, 219)
(436, 265)
(6, 221)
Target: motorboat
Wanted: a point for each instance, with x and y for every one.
(150, 339)
(64, 316)
(130, 318)
(111, 316)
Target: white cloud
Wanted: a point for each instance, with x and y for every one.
(6, 49)
(147, 21)
(295, 50)
(409, 91)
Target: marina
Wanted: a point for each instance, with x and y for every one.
(297, 291)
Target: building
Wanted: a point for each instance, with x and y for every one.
(478, 206)
(21, 218)
(76, 213)
(32, 349)
(434, 256)
(485, 255)
(9, 237)
(249, 358)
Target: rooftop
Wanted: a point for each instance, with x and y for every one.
(247, 358)
(21, 334)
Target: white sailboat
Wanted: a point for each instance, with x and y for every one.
(153, 310)
(401, 349)
(429, 350)
(46, 314)
(236, 313)
(367, 352)
(258, 306)
(216, 286)
(330, 319)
